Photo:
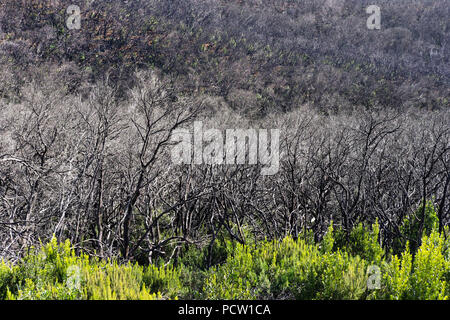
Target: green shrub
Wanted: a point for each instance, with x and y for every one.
(111, 281)
(164, 279)
(328, 240)
(287, 269)
(278, 269)
(396, 279)
(343, 277)
(430, 269)
(7, 278)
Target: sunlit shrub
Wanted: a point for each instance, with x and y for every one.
(56, 272)
(424, 276)
(287, 269)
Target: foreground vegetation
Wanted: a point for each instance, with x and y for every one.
(279, 269)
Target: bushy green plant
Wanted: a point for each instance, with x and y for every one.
(328, 240)
(42, 274)
(342, 277)
(287, 269)
(430, 269)
(56, 272)
(361, 241)
(111, 281)
(7, 280)
(396, 279)
(164, 279)
(425, 277)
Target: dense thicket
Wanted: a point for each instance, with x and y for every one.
(98, 170)
(279, 269)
